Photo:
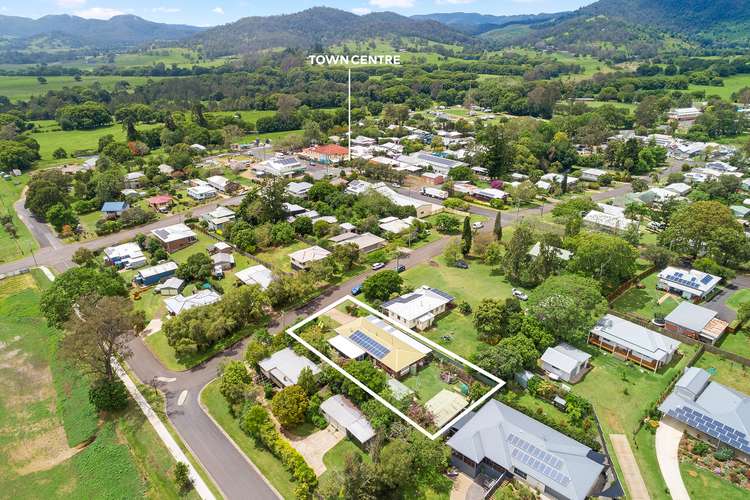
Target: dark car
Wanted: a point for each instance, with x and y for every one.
(401, 268)
(357, 290)
(461, 264)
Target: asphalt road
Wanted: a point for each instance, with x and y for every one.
(42, 233)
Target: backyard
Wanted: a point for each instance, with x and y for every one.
(644, 301)
(737, 342)
(278, 257)
(427, 382)
(726, 372)
(612, 386)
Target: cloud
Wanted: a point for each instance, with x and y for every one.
(218, 10)
(456, 2)
(392, 4)
(70, 3)
(361, 11)
(165, 10)
(99, 13)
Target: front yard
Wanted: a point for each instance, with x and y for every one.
(279, 257)
(644, 302)
(701, 483)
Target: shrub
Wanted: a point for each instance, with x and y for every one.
(182, 477)
(701, 448)
(723, 454)
(464, 307)
(108, 395)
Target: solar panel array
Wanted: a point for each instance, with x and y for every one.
(373, 347)
(537, 459)
(677, 278)
(707, 279)
(724, 433)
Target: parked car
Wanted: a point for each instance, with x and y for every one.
(519, 294)
(357, 290)
(401, 268)
(477, 225)
(461, 264)
(378, 265)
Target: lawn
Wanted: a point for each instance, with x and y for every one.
(75, 140)
(620, 393)
(278, 257)
(458, 330)
(737, 342)
(701, 483)
(731, 85)
(426, 383)
(17, 88)
(726, 372)
(45, 410)
(203, 242)
(268, 464)
(738, 298)
(335, 458)
(644, 301)
(24, 244)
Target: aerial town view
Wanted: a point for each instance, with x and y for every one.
(375, 250)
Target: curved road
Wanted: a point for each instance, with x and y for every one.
(233, 474)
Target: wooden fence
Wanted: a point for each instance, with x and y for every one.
(628, 284)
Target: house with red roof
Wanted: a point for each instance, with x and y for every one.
(160, 203)
(326, 153)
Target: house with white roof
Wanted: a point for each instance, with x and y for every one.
(562, 254)
(303, 259)
(221, 183)
(633, 342)
(125, 256)
(602, 221)
(499, 441)
(256, 275)
(592, 174)
(284, 367)
(281, 166)
(134, 180)
(684, 114)
(680, 188)
(690, 284)
(341, 413)
(365, 242)
(423, 208)
(219, 217)
(437, 163)
(179, 303)
(489, 194)
(174, 237)
(565, 362)
(298, 189)
(419, 308)
(202, 192)
(710, 411)
(394, 225)
(172, 286)
(697, 322)
(357, 187)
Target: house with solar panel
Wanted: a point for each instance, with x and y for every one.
(281, 166)
(689, 284)
(175, 237)
(503, 443)
(389, 348)
(418, 309)
(710, 411)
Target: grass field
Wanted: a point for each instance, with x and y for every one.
(40, 419)
(644, 301)
(726, 372)
(737, 342)
(24, 243)
(268, 465)
(739, 297)
(427, 382)
(731, 85)
(701, 483)
(17, 88)
(74, 140)
(279, 257)
(629, 392)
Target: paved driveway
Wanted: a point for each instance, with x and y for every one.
(633, 478)
(668, 438)
(719, 302)
(314, 446)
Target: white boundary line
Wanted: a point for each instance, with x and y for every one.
(500, 383)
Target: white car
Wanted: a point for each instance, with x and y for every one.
(378, 265)
(477, 225)
(519, 294)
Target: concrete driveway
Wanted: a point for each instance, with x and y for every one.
(633, 478)
(719, 302)
(314, 446)
(668, 436)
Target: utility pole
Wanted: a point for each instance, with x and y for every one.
(350, 116)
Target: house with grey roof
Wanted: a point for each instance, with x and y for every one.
(697, 322)
(499, 441)
(341, 413)
(632, 342)
(283, 367)
(710, 411)
(565, 362)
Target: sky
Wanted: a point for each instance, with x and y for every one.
(213, 12)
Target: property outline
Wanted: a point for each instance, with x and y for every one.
(499, 382)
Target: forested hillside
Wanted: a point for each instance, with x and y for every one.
(319, 27)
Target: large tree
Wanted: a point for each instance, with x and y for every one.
(380, 286)
(497, 155)
(706, 228)
(607, 258)
(289, 406)
(100, 329)
(567, 306)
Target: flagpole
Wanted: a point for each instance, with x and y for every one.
(350, 115)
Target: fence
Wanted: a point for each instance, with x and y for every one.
(14, 273)
(628, 284)
(682, 338)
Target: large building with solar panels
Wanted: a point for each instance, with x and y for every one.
(689, 284)
(711, 411)
(499, 441)
(391, 349)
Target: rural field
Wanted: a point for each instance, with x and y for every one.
(24, 243)
(17, 88)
